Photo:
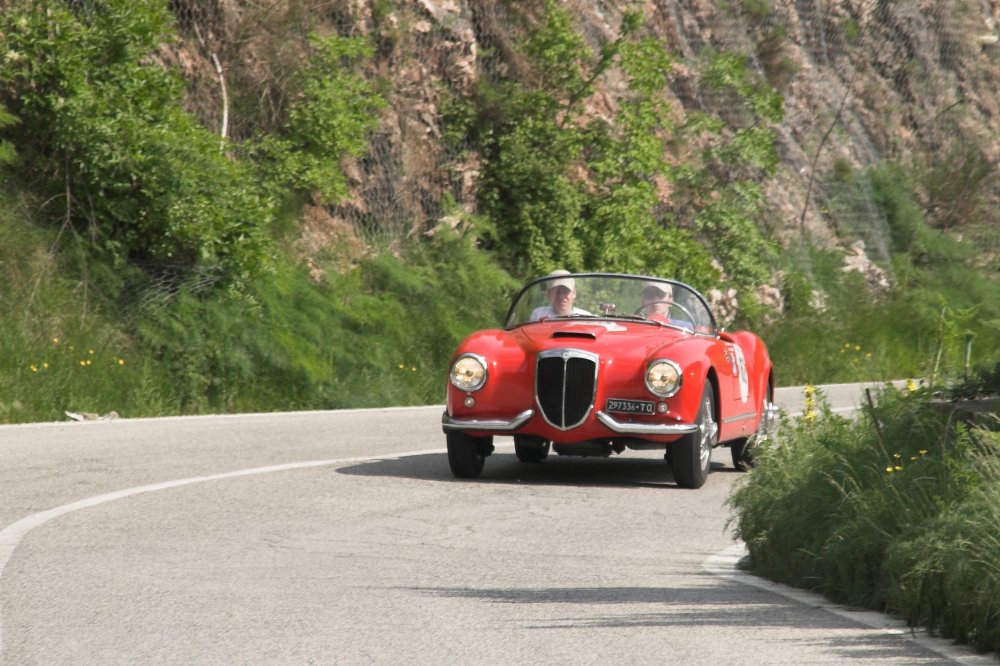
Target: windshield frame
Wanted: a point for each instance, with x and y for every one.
(524, 296)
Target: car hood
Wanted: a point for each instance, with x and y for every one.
(599, 336)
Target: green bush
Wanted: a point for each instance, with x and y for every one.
(103, 137)
(895, 511)
(567, 190)
(330, 116)
(379, 335)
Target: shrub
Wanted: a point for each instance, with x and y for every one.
(329, 118)
(567, 190)
(379, 335)
(895, 511)
(103, 136)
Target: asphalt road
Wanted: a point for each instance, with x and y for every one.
(341, 538)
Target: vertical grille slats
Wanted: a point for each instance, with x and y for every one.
(565, 380)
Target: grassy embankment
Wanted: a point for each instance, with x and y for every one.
(379, 335)
(897, 511)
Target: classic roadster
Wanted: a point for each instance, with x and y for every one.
(592, 364)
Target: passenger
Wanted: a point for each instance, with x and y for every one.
(657, 297)
(561, 293)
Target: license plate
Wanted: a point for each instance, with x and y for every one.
(629, 406)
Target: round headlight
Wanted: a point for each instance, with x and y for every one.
(468, 372)
(663, 378)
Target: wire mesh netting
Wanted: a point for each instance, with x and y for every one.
(862, 81)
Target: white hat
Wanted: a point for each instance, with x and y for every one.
(661, 287)
(567, 282)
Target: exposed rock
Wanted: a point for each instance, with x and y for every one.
(92, 416)
(724, 304)
(772, 299)
(818, 300)
(857, 261)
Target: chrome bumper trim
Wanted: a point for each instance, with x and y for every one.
(497, 425)
(645, 428)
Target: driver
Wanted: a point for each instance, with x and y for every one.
(561, 293)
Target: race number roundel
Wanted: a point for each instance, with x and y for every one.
(741, 370)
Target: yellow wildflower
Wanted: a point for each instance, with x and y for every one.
(911, 385)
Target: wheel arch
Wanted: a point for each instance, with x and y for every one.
(713, 379)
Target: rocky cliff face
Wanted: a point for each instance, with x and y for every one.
(863, 81)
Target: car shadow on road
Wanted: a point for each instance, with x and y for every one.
(504, 468)
(711, 603)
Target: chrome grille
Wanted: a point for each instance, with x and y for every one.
(565, 380)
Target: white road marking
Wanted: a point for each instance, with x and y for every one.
(725, 564)
(12, 535)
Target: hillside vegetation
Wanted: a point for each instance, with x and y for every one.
(897, 511)
(216, 208)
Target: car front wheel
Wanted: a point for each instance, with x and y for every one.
(743, 456)
(467, 454)
(691, 456)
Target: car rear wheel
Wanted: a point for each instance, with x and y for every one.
(467, 454)
(530, 449)
(691, 456)
(743, 457)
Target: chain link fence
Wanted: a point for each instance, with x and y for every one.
(913, 81)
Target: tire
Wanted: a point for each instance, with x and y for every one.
(691, 456)
(742, 449)
(530, 449)
(467, 454)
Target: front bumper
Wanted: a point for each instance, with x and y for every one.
(629, 428)
(492, 425)
(609, 422)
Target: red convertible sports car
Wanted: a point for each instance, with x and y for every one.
(591, 364)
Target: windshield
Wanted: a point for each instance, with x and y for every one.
(597, 295)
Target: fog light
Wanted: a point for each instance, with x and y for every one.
(662, 408)
(469, 401)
